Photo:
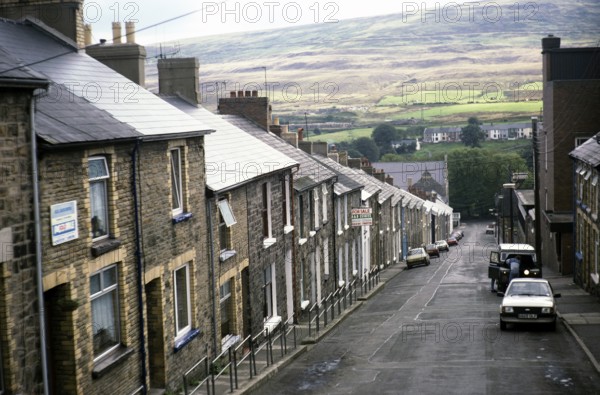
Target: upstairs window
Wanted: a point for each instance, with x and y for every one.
(301, 216)
(268, 306)
(324, 193)
(176, 183)
(226, 309)
(104, 297)
(98, 178)
(287, 217)
(226, 220)
(266, 210)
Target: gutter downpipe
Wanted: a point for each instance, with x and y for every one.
(212, 271)
(139, 265)
(38, 247)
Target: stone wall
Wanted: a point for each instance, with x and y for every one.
(19, 315)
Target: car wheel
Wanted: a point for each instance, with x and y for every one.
(427, 263)
(502, 325)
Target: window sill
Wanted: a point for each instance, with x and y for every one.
(302, 241)
(346, 227)
(339, 232)
(185, 339)
(112, 360)
(225, 255)
(272, 323)
(312, 233)
(181, 217)
(595, 278)
(287, 229)
(304, 304)
(269, 242)
(105, 245)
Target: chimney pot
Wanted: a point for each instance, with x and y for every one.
(116, 31)
(300, 134)
(254, 93)
(130, 32)
(276, 121)
(248, 93)
(232, 94)
(102, 41)
(87, 31)
(240, 94)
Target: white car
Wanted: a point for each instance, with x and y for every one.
(417, 256)
(527, 301)
(442, 245)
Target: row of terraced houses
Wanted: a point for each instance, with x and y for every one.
(140, 232)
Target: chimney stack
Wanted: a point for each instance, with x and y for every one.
(127, 59)
(300, 134)
(550, 42)
(247, 104)
(179, 76)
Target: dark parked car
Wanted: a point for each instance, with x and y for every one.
(452, 241)
(432, 250)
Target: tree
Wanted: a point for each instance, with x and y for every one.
(317, 131)
(474, 176)
(383, 135)
(472, 135)
(366, 147)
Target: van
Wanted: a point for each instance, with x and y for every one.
(499, 270)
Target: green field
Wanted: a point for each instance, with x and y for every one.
(437, 151)
(431, 113)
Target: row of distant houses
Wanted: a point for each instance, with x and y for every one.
(140, 232)
(511, 131)
(560, 216)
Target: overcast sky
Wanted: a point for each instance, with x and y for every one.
(220, 17)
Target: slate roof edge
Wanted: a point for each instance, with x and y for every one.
(250, 180)
(50, 31)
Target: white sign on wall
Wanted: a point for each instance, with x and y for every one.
(63, 222)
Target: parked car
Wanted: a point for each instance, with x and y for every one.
(489, 230)
(457, 234)
(527, 301)
(417, 256)
(452, 241)
(442, 245)
(432, 250)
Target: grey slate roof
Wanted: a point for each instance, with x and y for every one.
(588, 152)
(13, 70)
(403, 171)
(345, 183)
(61, 119)
(310, 169)
(89, 79)
(233, 156)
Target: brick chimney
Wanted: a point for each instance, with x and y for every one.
(389, 179)
(548, 44)
(179, 76)
(64, 16)
(127, 58)
(320, 148)
(249, 105)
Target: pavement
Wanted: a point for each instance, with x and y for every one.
(578, 310)
(580, 313)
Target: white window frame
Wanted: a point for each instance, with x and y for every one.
(346, 226)
(176, 182)
(339, 214)
(103, 180)
(324, 193)
(181, 331)
(103, 291)
(225, 297)
(316, 209)
(268, 238)
(269, 292)
(288, 205)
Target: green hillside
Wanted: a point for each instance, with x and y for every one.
(394, 66)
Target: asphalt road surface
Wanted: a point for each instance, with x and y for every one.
(434, 330)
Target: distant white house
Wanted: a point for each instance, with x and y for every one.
(441, 134)
(508, 131)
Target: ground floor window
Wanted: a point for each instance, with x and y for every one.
(183, 310)
(105, 310)
(226, 309)
(268, 293)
